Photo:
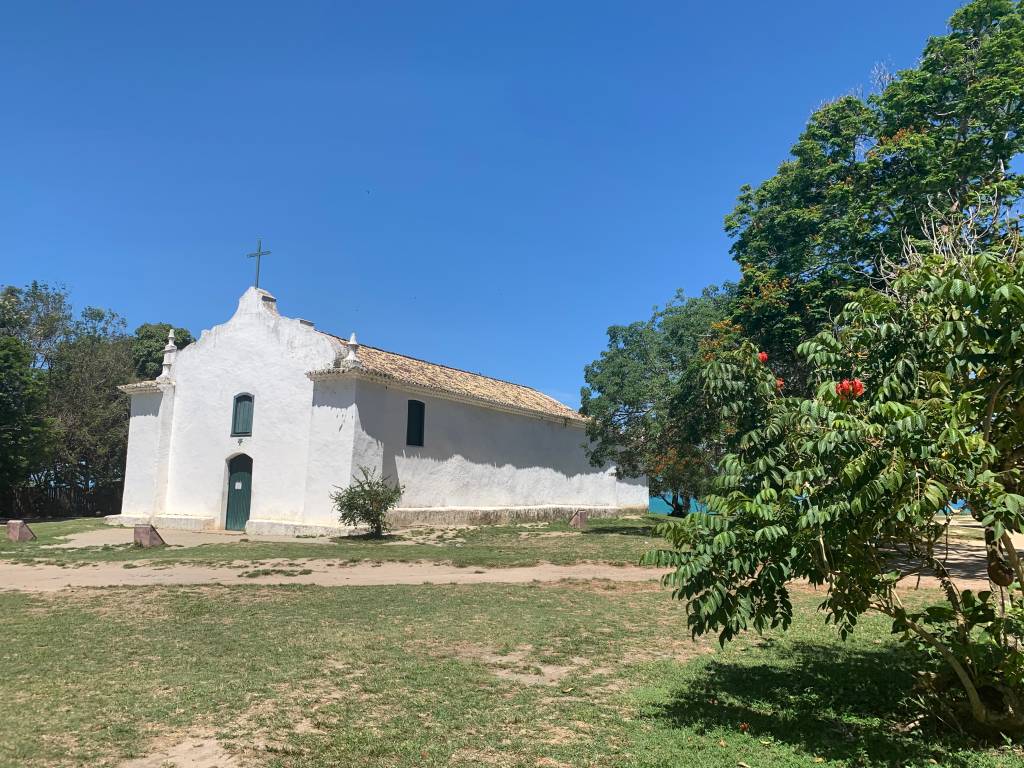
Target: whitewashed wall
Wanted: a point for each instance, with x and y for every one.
(331, 431)
(141, 495)
(266, 355)
(476, 457)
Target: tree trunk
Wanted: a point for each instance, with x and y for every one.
(680, 505)
(1010, 722)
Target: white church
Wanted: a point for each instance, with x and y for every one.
(256, 423)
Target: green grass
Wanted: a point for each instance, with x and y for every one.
(375, 677)
(967, 533)
(608, 540)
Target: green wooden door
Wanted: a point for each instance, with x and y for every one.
(239, 492)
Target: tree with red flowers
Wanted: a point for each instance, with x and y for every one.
(919, 402)
(864, 171)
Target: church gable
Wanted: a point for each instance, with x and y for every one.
(257, 331)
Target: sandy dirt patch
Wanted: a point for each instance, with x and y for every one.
(437, 537)
(327, 573)
(200, 751)
(518, 664)
(968, 526)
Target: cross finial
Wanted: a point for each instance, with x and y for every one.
(258, 254)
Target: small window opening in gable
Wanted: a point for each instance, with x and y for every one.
(241, 416)
(414, 425)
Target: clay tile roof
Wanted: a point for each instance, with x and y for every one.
(420, 373)
(140, 386)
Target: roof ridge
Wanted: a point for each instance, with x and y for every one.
(452, 368)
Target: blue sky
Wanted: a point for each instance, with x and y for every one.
(484, 184)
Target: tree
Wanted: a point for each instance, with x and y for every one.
(646, 406)
(23, 429)
(39, 315)
(865, 171)
(77, 365)
(919, 401)
(366, 500)
(148, 347)
(90, 416)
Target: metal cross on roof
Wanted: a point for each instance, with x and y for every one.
(258, 254)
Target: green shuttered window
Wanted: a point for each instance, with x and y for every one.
(241, 417)
(414, 426)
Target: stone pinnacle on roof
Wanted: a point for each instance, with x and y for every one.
(351, 359)
(170, 351)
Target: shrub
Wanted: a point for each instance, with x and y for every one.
(366, 501)
(919, 403)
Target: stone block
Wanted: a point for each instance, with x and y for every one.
(146, 536)
(18, 530)
(578, 519)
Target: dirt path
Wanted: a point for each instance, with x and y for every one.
(328, 573)
(964, 559)
(117, 535)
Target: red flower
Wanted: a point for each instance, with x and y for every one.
(848, 390)
(779, 384)
(762, 356)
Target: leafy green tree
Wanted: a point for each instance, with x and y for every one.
(864, 173)
(39, 315)
(919, 401)
(23, 429)
(646, 406)
(79, 363)
(90, 416)
(148, 347)
(366, 500)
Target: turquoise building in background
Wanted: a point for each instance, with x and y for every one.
(658, 506)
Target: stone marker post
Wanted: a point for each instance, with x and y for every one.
(578, 519)
(18, 530)
(146, 536)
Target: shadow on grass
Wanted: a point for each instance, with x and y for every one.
(841, 704)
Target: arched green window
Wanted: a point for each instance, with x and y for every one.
(241, 416)
(414, 426)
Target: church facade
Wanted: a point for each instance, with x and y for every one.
(256, 423)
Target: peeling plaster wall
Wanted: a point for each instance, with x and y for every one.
(476, 457)
(266, 355)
